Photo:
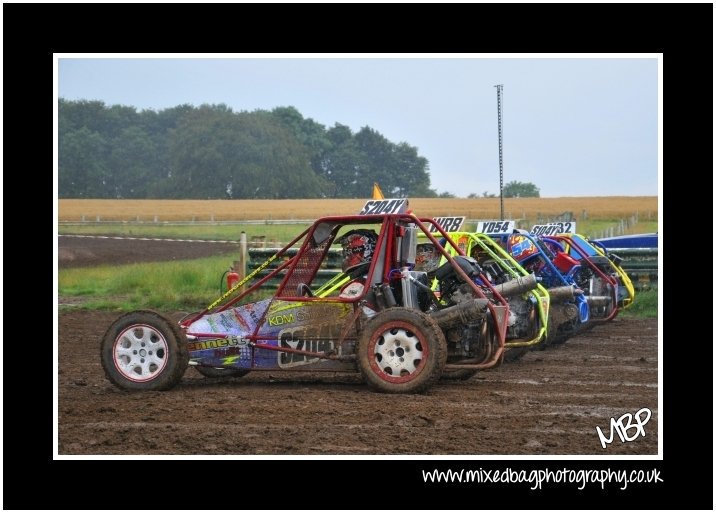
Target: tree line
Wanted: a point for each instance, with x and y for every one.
(212, 152)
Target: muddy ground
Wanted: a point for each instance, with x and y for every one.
(549, 403)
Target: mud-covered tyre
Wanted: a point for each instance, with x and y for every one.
(143, 350)
(513, 354)
(458, 374)
(560, 339)
(590, 326)
(216, 372)
(401, 351)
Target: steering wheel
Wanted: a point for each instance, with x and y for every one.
(304, 290)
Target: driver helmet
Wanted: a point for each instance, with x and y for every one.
(521, 248)
(358, 248)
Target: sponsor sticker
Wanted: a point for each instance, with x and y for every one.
(217, 343)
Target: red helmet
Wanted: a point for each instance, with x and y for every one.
(358, 248)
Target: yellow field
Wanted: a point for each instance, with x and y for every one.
(611, 207)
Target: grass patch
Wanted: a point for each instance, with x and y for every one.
(181, 285)
(188, 285)
(645, 306)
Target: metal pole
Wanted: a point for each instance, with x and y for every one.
(499, 143)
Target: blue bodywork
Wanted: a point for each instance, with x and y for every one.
(532, 253)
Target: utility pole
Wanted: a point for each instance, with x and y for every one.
(499, 142)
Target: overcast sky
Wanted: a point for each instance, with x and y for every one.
(573, 126)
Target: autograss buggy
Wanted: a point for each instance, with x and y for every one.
(528, 300)
(385, 323)
(569, 309)
(590, 273)
(625, 292)
(601, 270)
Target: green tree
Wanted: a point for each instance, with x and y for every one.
(219, 154)
(397, 168)
(83, 172)
(74, 115)
(160, 125)
(212, 152)
(310, 134)
(410, 172)
(132, 157)
(340, 163)
(516, 189)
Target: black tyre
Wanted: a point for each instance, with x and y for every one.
(513, 354)
(458, 374)
(560, 339)
(401, 351)
(143, 350)
(215, 372)
(590, 326)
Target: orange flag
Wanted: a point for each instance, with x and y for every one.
(377, 193)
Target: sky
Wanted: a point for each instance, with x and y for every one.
(573, 125)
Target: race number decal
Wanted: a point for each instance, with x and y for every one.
(554, 228)
(384, 206)
(495, 227)
(449, 224)
(317, 338)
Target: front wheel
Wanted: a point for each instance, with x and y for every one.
(401, 351)
(143, 350)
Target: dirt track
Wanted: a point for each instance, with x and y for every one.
(549, 403)
(74, 251)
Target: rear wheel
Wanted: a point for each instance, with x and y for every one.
(216, 372)
(401, 351)
(143, 350)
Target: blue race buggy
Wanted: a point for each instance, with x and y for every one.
(569, 309)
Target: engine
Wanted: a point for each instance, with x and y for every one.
(465, 340)
(495, 272)
(522, 319)
(453, 289)
(473, 340)
(583, 277)
(597, 290)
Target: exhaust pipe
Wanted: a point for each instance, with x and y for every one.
(461, 314)
(598, 300)
(516, 286)
(562, 293)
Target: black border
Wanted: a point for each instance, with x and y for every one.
(683, 33)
